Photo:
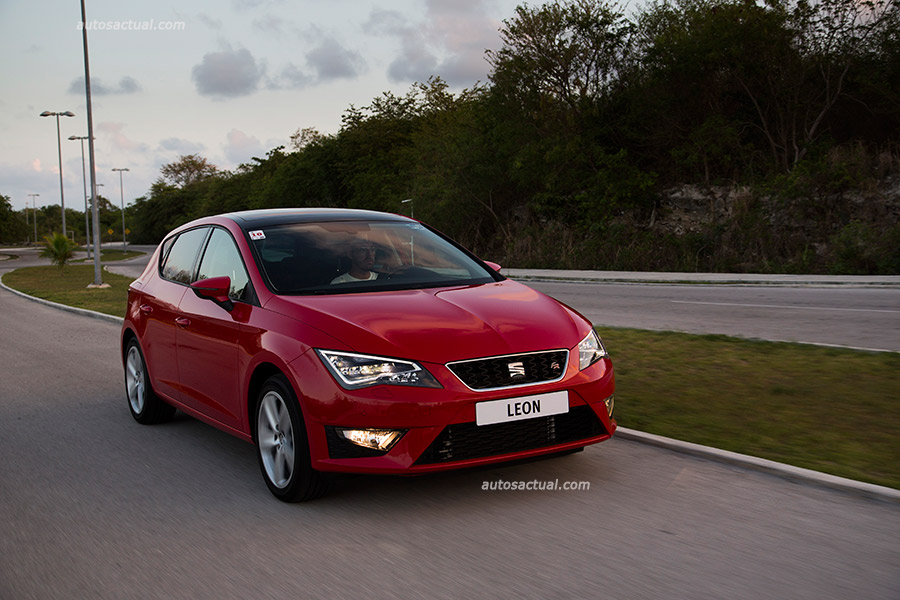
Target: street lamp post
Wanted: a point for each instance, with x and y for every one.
(62, 200)
(412, 214)
(98, 277)
(87, 224)
(33, 213)
(122, 196)
(96, 201)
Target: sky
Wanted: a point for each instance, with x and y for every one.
(228, 79)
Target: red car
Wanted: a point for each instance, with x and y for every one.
(357, 341)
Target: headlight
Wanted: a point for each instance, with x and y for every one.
(590, 350)
(354, 371)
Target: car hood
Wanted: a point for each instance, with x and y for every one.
(441, 325)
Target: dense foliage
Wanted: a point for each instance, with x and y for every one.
(21, 226)
(12, 228)
(591, 113)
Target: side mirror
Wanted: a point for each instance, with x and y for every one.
(215, 289)
(493, 265)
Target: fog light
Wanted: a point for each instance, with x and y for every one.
(376, 439)
(610, 405)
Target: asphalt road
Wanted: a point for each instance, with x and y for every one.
(857, 317)
(93, 505)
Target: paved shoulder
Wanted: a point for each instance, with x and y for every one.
(709, 278)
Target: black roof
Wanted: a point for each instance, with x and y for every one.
(251, 219)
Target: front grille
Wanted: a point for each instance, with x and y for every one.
(512, 370)
(464, 441)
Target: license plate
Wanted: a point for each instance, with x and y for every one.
(521, 408)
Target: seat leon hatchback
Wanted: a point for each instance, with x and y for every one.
(357, 341)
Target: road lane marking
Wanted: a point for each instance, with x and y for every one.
(878, 310)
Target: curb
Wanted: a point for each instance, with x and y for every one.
(792, 473)
(79, 311)
(729, 279)
(796, 474)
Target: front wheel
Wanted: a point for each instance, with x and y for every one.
(282, 445)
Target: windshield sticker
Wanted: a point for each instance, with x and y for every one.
(257, 235)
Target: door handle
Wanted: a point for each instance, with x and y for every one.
(146, 309)
(182, 322)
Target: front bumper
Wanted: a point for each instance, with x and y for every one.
(441, 433)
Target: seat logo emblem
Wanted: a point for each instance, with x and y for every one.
(516, 370)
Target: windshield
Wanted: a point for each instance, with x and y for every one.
(339, 257)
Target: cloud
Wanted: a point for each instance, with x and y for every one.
(450, 42)
(247, 4)
(127, 85)
(327, 61)
(269, 24)
(119, 140)
(228, 74)
(211, 22)
(181, 146)
(415, 61)
(240, 147)
(332, 61)
(292, 77)
(36, 165)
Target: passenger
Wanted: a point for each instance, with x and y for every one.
(362, 259)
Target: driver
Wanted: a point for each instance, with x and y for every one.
(362, 260)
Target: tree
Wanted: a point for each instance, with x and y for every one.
(188, 169)
(59, 249)
(12, 227)
(833, 37)
(302, 138)
(558, 75)
(565, 51)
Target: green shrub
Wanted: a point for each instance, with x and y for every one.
(59, 249)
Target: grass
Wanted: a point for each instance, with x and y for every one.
(826, 409)
(68, 285)
(112, 255)
(831, 410)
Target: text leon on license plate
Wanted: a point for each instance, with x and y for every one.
(523, 407)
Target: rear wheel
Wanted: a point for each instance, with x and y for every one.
(282, 445)
(146, 407)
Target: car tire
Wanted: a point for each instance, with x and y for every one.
(283, 446)
(146, 407)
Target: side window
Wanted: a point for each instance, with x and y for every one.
(179, 264)
(223, 258)
(164, 253)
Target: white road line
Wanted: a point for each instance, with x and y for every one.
(878, 310)
(840, 346)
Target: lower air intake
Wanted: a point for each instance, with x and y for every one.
(464, 441)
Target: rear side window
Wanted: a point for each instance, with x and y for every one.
(179, 264)
(223, 258)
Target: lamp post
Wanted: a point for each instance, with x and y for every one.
(122, 197)
(34, 213)
(96, 203)
(412, 215)
(62, 200)
(87, 223)
(98, 277)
